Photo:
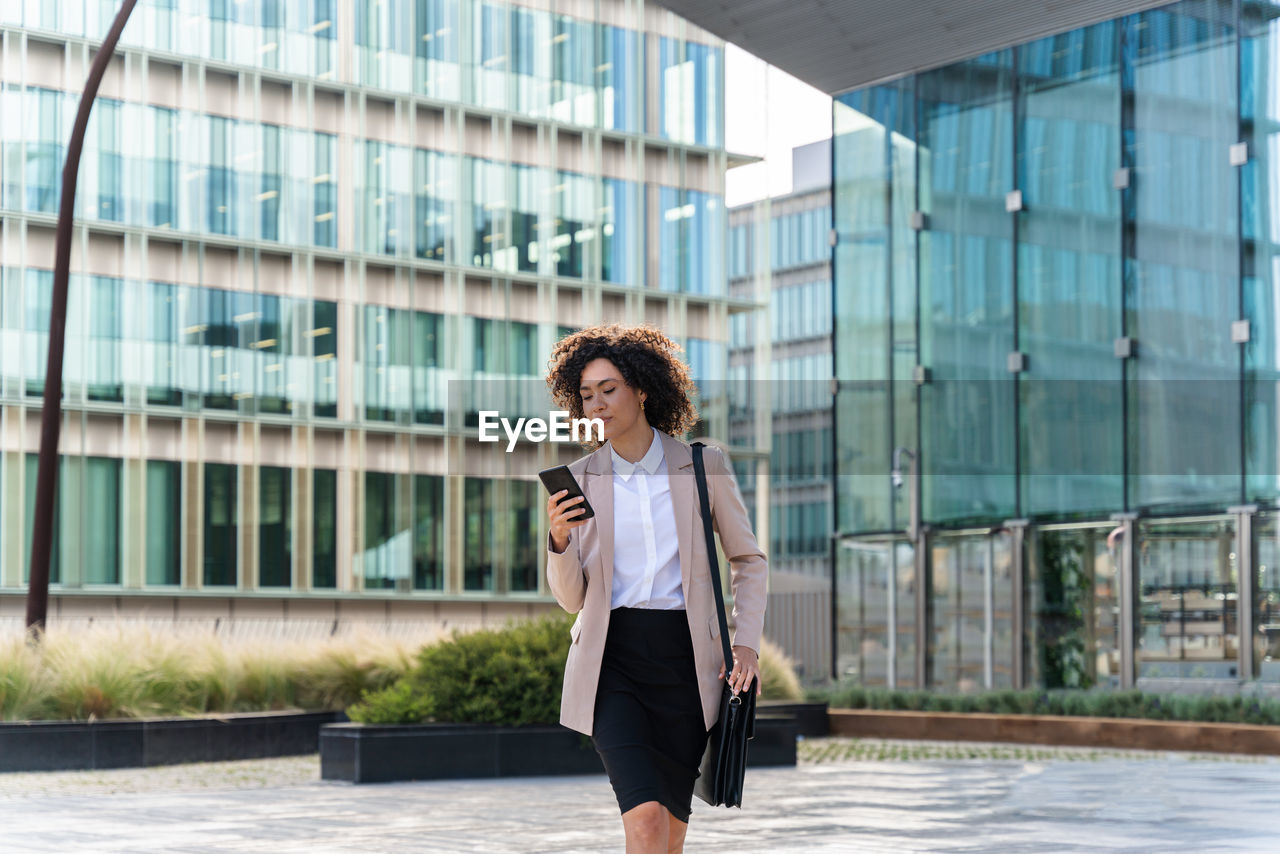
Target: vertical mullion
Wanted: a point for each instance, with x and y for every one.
(1015, 117)
(1127, 240)
(920, 551)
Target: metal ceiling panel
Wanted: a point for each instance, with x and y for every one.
(838, 45)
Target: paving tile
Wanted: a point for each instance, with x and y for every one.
(1120, 804)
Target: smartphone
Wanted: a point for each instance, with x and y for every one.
(558, 478)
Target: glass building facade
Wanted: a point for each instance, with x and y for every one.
(1056, 286)
(305, 232)
(780, 255)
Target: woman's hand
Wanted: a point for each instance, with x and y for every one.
(746, 666)
(562, 521)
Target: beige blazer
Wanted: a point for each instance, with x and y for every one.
(582, 576)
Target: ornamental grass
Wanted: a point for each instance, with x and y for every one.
(134, 671)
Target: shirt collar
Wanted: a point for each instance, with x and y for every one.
(649, 462)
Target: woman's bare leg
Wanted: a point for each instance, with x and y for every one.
(646, 827)
(675, 834)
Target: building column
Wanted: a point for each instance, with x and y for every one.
(924, 613)
(1246, 583)
(1019, 529)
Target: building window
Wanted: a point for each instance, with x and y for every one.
(324, 535)
(164, 522)
(221, 525)
(622, 233)
(324, 349)
(480, 551)
(275, 527)
(386, 533)
(428, 532)
(523, 535)
(86, 520)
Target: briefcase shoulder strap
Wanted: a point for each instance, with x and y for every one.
(700, 475)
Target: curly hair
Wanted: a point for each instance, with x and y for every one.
(648, 361)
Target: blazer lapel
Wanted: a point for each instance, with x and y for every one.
(684, 501)
(599, 489)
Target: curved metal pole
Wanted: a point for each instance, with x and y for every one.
(51, 411)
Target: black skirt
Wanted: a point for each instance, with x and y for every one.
(648, 728)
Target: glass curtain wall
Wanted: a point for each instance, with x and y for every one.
(1044, 259)
(533, 61)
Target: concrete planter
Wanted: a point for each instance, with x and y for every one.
(92, 745)
(383, 753)
(811, 718)
(1058, 730)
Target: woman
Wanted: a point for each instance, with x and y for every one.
(645, 665)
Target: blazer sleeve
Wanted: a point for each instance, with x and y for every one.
(748, 567)
(565, 577)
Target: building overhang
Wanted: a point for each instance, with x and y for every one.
(839, 45)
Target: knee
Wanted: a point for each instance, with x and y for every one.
(649, 823)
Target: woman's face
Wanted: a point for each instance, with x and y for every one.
(606, 396)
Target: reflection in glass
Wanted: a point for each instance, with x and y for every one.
(863, 573)
(386, 533)
(971, 642)
(1260, 230)
(621, 233)
(1266, 600)
(966, 275)
(324, 350)
(1182, 284)
(387, 367)
(1074, 628)
(690, 91)
(1069, 274)
(504, 367)
(1187, 578)
(575, 226)
(904, 609)
(618, 78)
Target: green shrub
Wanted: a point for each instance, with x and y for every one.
(510, 676)
(1068, 702)
(398, 703)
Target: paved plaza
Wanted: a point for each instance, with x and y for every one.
(865, 796)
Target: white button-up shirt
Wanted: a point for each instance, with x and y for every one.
(646, 550)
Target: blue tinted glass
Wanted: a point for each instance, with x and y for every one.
(966, 318)
(622, 233)
(1069, 274)
(1182, 285)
